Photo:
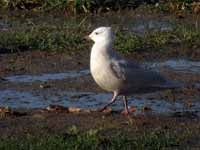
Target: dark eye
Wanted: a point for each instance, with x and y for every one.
(96, 33)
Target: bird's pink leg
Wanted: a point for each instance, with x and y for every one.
(126, 112)
(111, 102)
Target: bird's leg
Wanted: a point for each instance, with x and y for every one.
(126, 112)
(111, 102)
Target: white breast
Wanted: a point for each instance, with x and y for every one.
(101, 71)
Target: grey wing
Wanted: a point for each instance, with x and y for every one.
(122, 68)
(134, 74)
(118, 70)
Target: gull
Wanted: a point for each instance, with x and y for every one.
(115, 74)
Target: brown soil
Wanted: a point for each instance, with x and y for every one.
(41, 122)
(37, 62)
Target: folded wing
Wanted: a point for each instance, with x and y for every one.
(135, 75)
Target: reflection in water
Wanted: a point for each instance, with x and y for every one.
(85, 100)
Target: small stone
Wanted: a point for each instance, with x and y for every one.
(44, 86)
(74, 109)
(2, 79)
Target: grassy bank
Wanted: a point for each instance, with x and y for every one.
(69, 35)
(40, 38)
(92, 139)
(37, 130)
(65, 32)
(148, 135)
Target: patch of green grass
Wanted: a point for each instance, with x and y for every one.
(90, 140)
(128, 42)
(155, 40)
(188, 34)
(41, 39)
(68, 36)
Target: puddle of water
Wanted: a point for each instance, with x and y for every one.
(181, 66)
(142, 26)
(84, 100)
(42, 98)
(47, 76)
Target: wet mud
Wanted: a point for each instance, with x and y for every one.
(43, 99)
(37, 88)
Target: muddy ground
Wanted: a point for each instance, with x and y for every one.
(19, 122)
(40, 122)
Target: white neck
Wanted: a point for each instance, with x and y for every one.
(100, 52)
(103, 46)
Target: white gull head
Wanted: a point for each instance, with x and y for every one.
(102, 35)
